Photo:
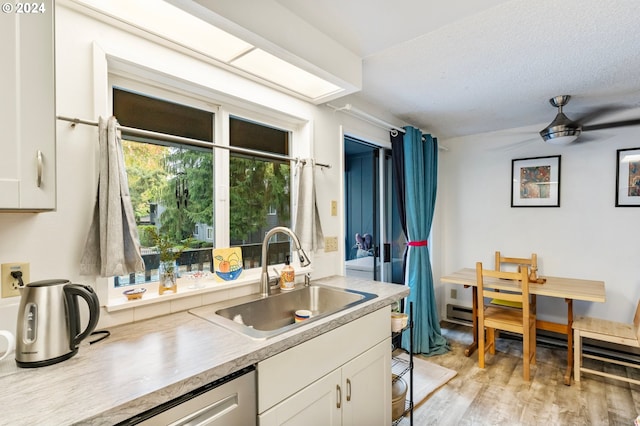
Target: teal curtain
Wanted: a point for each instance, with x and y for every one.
(421, 175)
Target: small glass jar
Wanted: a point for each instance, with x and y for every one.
(168, 277)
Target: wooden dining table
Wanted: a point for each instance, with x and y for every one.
(569, 289)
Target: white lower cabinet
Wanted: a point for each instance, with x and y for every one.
(366, 392)
(355, 391)
(314, 405)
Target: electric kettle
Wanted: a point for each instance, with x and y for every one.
(48, 329)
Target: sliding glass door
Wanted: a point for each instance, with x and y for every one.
(369, 212)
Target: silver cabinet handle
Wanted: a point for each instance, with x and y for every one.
(348, 390)
(40, 167)
(339, 395)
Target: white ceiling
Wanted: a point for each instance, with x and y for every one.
(460, 67)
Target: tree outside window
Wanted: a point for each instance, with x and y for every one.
(172, 185)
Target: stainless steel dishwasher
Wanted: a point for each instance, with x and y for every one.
(230, 401)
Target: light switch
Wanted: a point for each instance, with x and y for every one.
(330, 244)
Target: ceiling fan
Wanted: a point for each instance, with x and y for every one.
(563, 131)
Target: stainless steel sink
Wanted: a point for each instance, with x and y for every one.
(273, 315)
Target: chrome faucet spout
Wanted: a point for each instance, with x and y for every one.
(304, 259)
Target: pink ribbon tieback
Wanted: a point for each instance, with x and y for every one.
(417, 243)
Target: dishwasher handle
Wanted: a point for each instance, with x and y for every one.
(228, 400)
(209, 413)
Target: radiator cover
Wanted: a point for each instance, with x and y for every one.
(463, 315)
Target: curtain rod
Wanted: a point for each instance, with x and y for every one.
(188, 141)
(350, 109)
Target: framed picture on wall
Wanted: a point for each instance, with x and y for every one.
(535, 182)
(628, 177)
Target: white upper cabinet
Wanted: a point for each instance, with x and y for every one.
(27, 107)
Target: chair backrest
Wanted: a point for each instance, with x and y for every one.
(486, 289)
(531, 262)
(636, 321)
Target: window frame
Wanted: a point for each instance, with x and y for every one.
(222, 112)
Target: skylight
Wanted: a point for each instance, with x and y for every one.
(172, 23)
(264, 65)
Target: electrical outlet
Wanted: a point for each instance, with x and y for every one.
(330, 244)
(10, 284)
(454, 293)
(334, 208)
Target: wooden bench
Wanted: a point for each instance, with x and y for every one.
(605, 331)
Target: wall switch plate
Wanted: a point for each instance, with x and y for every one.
(334, 208)
(454, 293)
(11, 285)
(330, 244)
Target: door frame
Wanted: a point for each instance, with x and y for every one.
(381, 210)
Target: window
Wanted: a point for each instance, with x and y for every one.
(172, 185)
(258, 185)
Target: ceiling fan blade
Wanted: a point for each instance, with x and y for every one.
(585, 138)
(633, 122)
(515, 146)
(594, 113)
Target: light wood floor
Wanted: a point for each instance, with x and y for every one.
(497, 394)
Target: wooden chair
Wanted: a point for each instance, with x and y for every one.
(605, 331)
(531, 263)
(492, 318)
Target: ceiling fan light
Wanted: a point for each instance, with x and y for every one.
(560, 135)
(561, 140)
(561, 131)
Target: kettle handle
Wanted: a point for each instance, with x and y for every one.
(71, 293)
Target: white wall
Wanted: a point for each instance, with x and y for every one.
(53, 241)
(586, 237)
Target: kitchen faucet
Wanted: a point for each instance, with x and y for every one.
(304, 259)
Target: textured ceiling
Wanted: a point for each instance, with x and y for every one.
(461, 67)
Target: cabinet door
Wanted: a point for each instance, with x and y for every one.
(27, 107)
(367, 387)
(318, 404)
(284, 374)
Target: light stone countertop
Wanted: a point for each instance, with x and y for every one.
(144, 364)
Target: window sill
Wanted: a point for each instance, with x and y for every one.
(186, 289)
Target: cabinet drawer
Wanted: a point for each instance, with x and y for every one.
(286, 373)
